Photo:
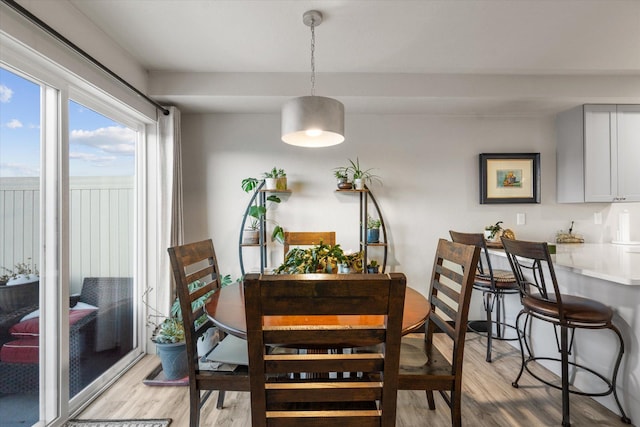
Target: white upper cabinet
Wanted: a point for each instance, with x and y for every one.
(598, 154)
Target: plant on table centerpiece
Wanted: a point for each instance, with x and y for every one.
(320, 258)
(492, 232)
(258, 213)
(275, 179)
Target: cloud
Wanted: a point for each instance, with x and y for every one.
(93, 158)
(112, 139)
(18, 169)
(5, 94)
(14, 124)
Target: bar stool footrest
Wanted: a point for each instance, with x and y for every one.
(576, 365)
(480, 327)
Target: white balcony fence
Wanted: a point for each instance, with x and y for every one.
(101, 226)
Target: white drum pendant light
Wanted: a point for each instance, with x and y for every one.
(313, 121)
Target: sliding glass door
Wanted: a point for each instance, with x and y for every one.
(68, 252)
(20, 247)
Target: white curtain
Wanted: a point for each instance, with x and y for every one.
(169, 198)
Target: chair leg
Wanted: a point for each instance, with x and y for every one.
(520, 338)
(430, 400)
(456, 408)
(564, 356)
(489, 309)
(194, 406)
(220, 402)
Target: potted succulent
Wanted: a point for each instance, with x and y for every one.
(373, 267)
(275, 180)
(258, 213)
(169, 338)
(171, 348)
(342, 177)
(493, 232)
(373, 229)
(360, 176)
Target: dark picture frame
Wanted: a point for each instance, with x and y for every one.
(509, 178)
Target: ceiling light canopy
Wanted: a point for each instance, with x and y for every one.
(313, 121)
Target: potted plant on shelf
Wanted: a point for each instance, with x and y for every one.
(342, 177)
(360, 176)
(258, 213)
(373, 229)
(493, 232)
(373, 267)
(275, 180)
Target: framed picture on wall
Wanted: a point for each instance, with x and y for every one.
(509, 178)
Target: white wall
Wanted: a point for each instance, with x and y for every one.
(429, 165)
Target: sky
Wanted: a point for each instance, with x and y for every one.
(98, 146)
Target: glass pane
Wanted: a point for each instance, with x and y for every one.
(19, 249)
(101, 185)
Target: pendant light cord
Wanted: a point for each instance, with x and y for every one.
(313, 59)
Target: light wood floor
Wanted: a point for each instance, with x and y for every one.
(488, 400)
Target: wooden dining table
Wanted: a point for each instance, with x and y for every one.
(225, 308)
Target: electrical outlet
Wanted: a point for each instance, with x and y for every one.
(597, 218)
(521, 219)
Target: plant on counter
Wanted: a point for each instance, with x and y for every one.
(492, 232)
(275, 179)
(257, 212)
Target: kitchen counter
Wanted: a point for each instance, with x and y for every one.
(614, 263)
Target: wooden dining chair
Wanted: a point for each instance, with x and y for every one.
(494, 285)
(195, 270)
(279, 398)
(307, 238)
(422, 365)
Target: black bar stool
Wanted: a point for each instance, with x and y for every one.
(532, 267)
(494, 285)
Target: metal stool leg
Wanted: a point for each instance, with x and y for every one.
(614, 379)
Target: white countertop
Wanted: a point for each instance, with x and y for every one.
(606, 261)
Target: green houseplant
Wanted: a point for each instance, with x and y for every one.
(360, 176)
(275, 179)
(373, 229)
(258, 213)
(342, 177)
(169, 337)
(373, 267)
(492, 232)
(320, 258)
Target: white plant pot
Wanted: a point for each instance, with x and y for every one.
(359, 184)
(270, 183)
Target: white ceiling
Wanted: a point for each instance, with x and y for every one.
(398, 56)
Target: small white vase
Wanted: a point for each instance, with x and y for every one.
(359, 183)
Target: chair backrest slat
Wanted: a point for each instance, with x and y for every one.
(325, 313)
